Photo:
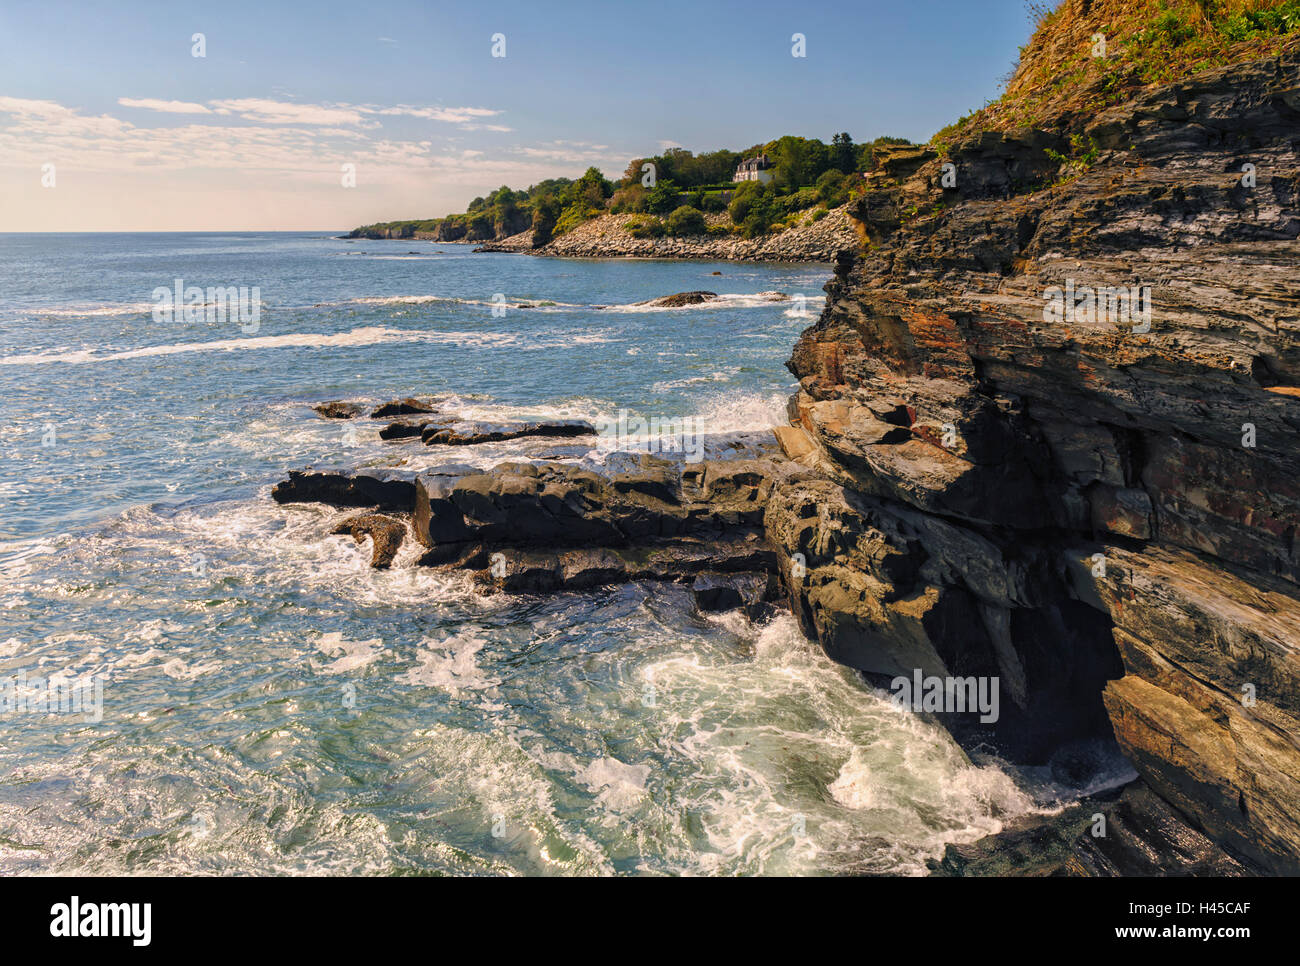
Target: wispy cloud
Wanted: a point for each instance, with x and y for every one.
(286, 112)
(451, 115)
(268, 111)
(167, 107)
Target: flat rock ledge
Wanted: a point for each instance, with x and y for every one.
(529, 527)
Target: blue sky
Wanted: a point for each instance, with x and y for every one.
(254, 135)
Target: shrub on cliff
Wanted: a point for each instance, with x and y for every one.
(714, 202)
(832, 188)
(572, 217)
(800, 200)
(644, 227)
(754, 208)
(631, 198)
(686, 220)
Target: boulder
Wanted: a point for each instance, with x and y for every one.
(409, 406)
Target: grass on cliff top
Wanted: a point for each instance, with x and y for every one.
(1058, 78)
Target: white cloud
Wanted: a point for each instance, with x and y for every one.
(168, 107)
(284, 112)
(452, 115)
(29, 108)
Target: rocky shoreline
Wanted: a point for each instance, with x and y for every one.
(606, 236)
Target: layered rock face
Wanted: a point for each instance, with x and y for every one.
(1095, 504)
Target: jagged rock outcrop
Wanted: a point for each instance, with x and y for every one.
(386, 534)
(531, 515)
(530, 527)
(1095, 504)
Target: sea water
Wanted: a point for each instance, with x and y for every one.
(271, 704)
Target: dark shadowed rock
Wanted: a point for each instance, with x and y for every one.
(385, 532)
(383, 488)
(408, 427)
(519, 571)
(553, 527)
(713, 592)
(470, 433)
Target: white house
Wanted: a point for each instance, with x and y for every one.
(754, 169)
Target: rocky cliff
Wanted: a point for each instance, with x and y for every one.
(1026, 475)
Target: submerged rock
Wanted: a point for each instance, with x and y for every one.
(339, 409)
(680, 300)
(1142, 836)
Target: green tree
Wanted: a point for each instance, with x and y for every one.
(662, 198)
(843, 154)
(832, 188)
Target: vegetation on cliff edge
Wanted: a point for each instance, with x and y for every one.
(1087, 55)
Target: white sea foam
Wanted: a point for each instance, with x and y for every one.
(367, 335)
(618, 786)
(728, 300)
(93, 310)
(451, 664)
(353, 654)
(898, 789)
